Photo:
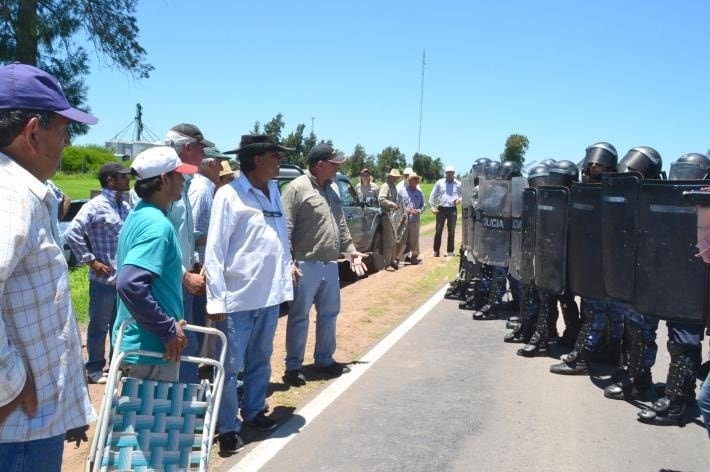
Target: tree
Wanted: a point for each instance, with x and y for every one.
(390, 157)
(275, 127)
(42, 32)
(515, 148)
(355, 162)
(295, 140)
(427, 168)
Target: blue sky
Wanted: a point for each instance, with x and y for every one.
(565, 74)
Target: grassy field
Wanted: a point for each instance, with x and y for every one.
(77, 186)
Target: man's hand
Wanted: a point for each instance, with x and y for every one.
(99, 268)
(434, 210)
(217, 316)
(27, 400)
(77, 435)
(194, 283)
(295, 272)
(179, 342)
(356, 263)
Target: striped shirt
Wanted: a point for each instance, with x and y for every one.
(100, 220)
(201, 194)
(38, 332)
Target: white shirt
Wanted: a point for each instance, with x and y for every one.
(247, 256)
(38, 330)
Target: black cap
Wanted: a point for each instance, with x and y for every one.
(193, 132)
(325, 152)
(112, 168)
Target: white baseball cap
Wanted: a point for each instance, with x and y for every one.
(408, 170)
(159, 160)
(449, 169)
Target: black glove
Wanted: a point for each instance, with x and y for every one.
(77, 435)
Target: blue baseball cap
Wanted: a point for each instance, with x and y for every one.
(25, 87)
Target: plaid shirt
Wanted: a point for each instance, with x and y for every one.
(100, 220)
(38, 332)
(201, 194)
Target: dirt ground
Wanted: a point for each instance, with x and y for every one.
(370, 308)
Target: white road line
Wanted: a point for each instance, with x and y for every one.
(267, 449)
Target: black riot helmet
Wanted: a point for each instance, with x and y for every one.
(538, 175)
(491, 169)
(563, 174)
(644, 160)
(549, 163)
(507, 170)
(692, 166)
(603, 154)
(477, 170)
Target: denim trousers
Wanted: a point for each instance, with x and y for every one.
(318, 285)
(250, 343)
(102, 314)
(704, 402)
(31, 456)
(188, 370)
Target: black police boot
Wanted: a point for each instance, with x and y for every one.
(513, 322)
(637, 388)
(536, 345)
(665, 412)
(487, 312)
(572, 364)
(670, 409)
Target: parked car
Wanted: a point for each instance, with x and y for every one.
(74, 208)
(364, 222)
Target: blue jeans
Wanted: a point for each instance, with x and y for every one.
(704, 402)
(102, 314)
(250, 342)
(31, 456)
(188, 370)
(320, 286)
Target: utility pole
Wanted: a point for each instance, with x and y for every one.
(313, 132)
(139, 122)
(421, 103)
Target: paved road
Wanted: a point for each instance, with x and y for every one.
(451, 396)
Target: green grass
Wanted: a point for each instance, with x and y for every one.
(79, 283)
(77, 186)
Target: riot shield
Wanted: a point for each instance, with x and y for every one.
(670, 280)
(585, 267)
(551, 222)
(527, 237)
(467, 190)
(399, 220)
(492, 234)
(517, 185)
(619, 224)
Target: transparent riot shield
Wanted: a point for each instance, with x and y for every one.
(467, 190)
(584, 266)
(551, 239)
(619, 225)
(517, 185)
(492, 234)
(527, 237)
(670, 280)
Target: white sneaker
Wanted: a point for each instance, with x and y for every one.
(449, 254)
(97, 377)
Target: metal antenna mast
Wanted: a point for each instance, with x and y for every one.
(421, 102)
(139, 122)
